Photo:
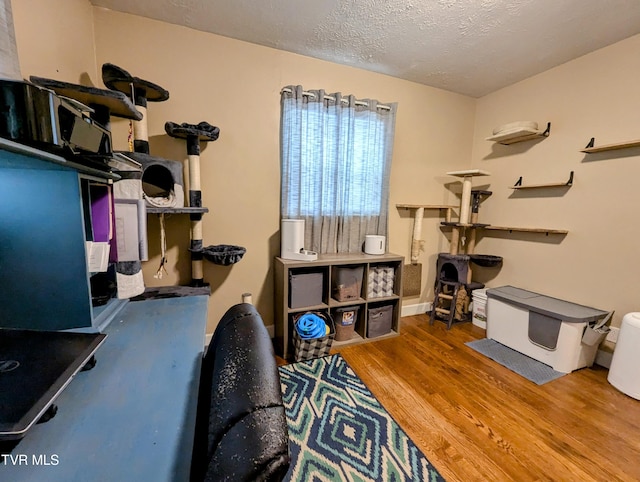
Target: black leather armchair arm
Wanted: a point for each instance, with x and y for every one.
(241, 431)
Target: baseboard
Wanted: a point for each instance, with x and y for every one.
(416, 309)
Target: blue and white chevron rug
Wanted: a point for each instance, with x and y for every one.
(338, 431)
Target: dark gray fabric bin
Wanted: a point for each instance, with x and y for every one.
(305, 289)
(379, 320)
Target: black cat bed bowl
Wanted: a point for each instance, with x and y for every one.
(223, 254)
(486, 260)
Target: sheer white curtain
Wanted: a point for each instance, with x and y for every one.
(335, 159)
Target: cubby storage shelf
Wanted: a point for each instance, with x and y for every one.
(326, 264)
(591, 149)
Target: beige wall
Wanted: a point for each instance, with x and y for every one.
(235, 86)
(598, 262)
(55, 39)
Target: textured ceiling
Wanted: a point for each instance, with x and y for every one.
(472, 47)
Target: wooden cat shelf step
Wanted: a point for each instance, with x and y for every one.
(440, 207)
(519, 185)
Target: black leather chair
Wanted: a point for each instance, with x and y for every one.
(241, 428)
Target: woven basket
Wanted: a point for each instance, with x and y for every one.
(306, 349)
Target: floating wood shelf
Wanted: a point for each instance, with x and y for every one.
(425, 206)
(518, 184)
(185, 210)
(446, 208)
(519, 135)
(526, 230)
(590, 149)
(464, 225)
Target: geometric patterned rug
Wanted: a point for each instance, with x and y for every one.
(338, 431)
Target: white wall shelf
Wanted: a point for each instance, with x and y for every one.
(521, 134)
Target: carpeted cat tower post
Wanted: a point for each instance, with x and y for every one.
(141, 92)
(194, 134)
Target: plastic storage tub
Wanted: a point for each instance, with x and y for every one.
(546, 329)
(346, 282)
(345, 321)
(379, 321)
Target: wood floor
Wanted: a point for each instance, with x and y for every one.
(476, 420)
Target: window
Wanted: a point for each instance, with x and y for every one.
(336, 160)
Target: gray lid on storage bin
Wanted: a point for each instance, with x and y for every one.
(546, 305)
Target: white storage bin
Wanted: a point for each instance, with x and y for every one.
(479, 313)
(546, 329)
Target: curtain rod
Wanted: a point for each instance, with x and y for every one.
(328, 97)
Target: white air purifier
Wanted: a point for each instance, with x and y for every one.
(292, 241)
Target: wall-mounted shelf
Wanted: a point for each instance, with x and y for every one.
(425, 206)
(447, 209)
(464, 225)
(518, 184)
(591, 149)
(519, 134)
(526, 230)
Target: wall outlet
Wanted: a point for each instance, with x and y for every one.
(612, 336)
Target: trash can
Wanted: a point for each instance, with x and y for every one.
(624, 373)
(479, 317)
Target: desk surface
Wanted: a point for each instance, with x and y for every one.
(132, 417)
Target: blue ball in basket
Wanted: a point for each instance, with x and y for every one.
(310, 326)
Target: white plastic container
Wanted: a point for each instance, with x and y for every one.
(479, 313)
(374, 244)
(546, 329)
(624, 373)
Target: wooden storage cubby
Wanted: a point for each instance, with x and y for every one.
(327, 264)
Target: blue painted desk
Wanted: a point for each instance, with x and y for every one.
(132, 417)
